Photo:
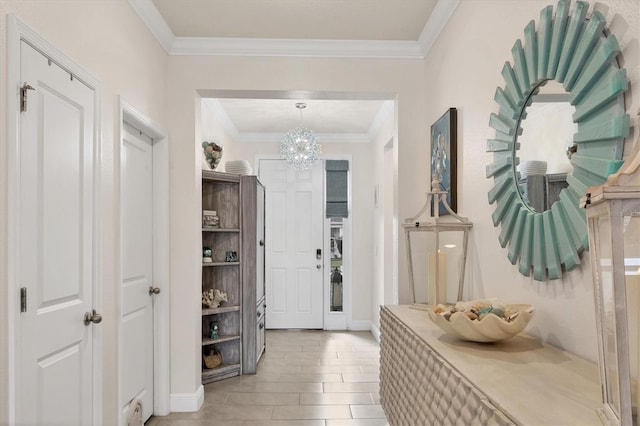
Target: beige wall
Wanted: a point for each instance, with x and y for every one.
(187, 74)
(463, 71)
(108, 40)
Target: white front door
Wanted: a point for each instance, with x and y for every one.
(136, 377)
(294, 242)
(56, 247)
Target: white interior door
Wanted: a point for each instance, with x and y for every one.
(294, 234)
(136, 327)
(54, 378)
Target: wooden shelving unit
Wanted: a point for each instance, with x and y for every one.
(220, 310)
(223, 372)
(210, 264)
(221, 192)
(239, 203)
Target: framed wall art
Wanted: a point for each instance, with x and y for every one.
(443, 151)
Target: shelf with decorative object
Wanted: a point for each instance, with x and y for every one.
(430, 377)
(220, 230)
(221, 280)
(210, 264)
(220, 310)
(220, 339)
(224, 371)
(230, 329)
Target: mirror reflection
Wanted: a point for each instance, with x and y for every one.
(547, 134)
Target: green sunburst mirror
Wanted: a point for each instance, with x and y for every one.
(577, 52)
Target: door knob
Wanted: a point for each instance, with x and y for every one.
(154, 290)
(92, 317)
(261, 243)
(318, 266)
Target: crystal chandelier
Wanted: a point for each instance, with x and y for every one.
(299, 147)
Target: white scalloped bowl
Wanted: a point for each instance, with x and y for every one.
(491, 329)
(532, 167)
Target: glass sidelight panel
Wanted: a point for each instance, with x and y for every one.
(337, 261)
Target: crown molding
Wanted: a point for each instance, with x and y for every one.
(385, 49)
(438, 19)
(148, 12)
(378, 49)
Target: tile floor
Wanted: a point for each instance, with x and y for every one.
(305, 378)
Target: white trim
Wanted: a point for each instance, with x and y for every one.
(295, 94)
(13, 212)
(18, 31)
(219, 46)
(376, 332)
(331, 320)
(438, 19)
(385, 111)
(161, 326)
(340, 320)
(359, 325)
(148, 12)
(307, 48)
(187, 402)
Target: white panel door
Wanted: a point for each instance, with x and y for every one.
(294, 211)
(136, 377)
(54, 380)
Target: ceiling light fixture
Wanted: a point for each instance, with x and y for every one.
(299, 146)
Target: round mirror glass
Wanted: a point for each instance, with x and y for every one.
(547, 135)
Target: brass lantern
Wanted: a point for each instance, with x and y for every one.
(436, 249)
(613, 215)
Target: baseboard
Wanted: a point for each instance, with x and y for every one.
(376, 332)
(186, 402)
(364, 325)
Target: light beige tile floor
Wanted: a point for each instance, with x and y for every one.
(305, 378)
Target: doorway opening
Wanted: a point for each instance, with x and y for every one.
(249, 125)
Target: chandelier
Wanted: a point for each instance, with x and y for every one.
(299, 146)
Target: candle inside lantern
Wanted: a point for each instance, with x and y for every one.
(633, 284)
(441, 282)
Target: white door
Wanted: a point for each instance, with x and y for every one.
(294, 242)
(54, 377)
(136, 377)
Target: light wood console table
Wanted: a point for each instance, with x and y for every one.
(430, 378)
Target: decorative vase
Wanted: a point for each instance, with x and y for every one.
(213, 330)
(213, 153)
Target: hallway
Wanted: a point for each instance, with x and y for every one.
(305, 378)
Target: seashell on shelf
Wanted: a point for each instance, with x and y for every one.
(495, 321)
(213, 298)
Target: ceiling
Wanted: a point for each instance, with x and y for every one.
(297, 19)
(266, 120)
(300, 28)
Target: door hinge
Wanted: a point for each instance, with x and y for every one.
(23, 299)
(23, 96)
